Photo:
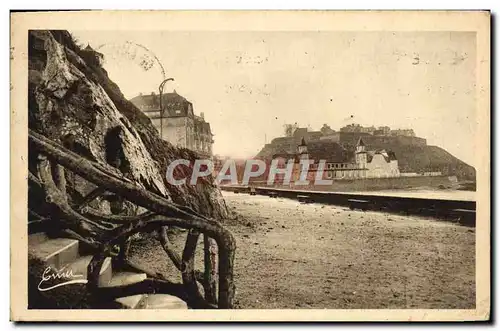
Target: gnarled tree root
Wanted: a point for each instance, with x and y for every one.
(103, 232)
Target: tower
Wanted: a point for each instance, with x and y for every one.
(361, 157)
(302, 149)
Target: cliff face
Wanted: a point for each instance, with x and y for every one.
(72, 101)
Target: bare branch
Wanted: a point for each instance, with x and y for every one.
(167, 247)
(98, 191)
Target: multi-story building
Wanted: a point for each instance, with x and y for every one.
(403, 132)
(380, 131)
(351, 128)
(177, 124)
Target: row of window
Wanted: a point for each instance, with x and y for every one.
(147, 107)
(337, 166)
(346, 174)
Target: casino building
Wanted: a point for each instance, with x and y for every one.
(178, 124)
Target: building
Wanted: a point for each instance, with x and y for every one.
(380, 131)
(383, 130)
(178, 124)
(403, 132)
(341, 163)
(358, 128)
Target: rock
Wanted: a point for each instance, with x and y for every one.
(72, 101)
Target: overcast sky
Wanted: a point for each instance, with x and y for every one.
(249, 84)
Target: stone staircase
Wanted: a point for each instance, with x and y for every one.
(68, 253)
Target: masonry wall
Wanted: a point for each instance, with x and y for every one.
(374, 184)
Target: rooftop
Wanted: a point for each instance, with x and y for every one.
(174, 104)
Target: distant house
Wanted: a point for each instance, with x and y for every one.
(177, 123)
(340, 163)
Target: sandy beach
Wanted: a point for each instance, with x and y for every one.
(293, 255)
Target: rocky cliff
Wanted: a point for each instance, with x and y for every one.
(73, 102)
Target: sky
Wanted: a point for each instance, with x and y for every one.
(249, 84)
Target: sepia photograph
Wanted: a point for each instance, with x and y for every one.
(265, 165)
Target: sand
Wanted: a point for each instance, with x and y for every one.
(293, 255)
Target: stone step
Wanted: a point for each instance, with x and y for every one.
(143, 301)
(55, 252)
(64, 252)
(124, 278)
(130, 302)
(37, 238)
(80, 267)
(162, 301)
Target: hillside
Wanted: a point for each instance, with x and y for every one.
(412, 157)
(431, 158)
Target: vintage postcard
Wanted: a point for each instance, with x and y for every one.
(250, 166)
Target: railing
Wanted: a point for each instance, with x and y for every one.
(103, 232)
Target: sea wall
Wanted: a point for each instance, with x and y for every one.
(373, 184)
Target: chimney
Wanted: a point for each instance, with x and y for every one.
(175, 92)
(202, 115)
(153, 93)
